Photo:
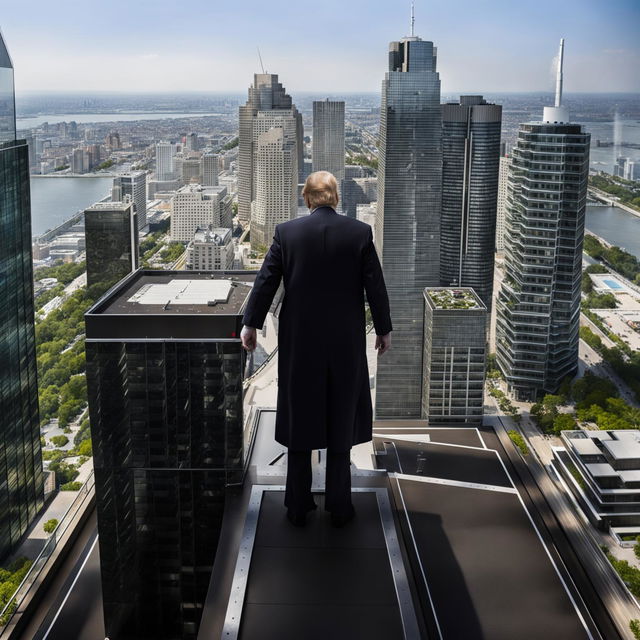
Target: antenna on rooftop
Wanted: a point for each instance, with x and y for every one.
(260, 57)
(412, 18)
(559, 74)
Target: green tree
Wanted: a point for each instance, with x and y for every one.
(563, 421)
(60, 441)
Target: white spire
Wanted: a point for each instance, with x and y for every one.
(557, 113)
(559, 74)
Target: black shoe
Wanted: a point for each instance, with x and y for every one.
(299, 519)
(339, 520)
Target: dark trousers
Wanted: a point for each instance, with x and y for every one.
(298, 495)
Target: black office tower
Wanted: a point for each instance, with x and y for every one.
(470, 162)
(164, 378)
(111, 237)
(21, 477)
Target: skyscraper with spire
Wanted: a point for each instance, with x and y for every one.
(265, 94)
(21, 476)
(408, 216)
(538, 305)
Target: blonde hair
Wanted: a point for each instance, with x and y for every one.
(320, 190)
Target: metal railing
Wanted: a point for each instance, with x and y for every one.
(51, 544)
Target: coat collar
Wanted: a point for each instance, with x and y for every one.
(327, 207)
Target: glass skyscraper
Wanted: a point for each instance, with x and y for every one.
(470, 163)
(538, 305)
(111, 237)
(164, 383)
(328, 139)
(408, 216)
(21, 476)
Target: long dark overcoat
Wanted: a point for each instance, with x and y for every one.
(327, 261)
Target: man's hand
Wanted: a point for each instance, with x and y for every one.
(248, 335)
(383, 343)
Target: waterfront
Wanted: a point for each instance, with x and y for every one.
(616, 226)
(53, 201)
(88, 118)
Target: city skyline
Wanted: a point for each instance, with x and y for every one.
(605, 51)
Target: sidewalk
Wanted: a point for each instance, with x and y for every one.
(35, 538)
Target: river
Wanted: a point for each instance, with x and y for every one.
(54, 200)
(28, 122)
(616, 226)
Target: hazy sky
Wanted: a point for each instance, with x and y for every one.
(331, 45)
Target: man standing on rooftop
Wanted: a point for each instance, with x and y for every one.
(326, 261)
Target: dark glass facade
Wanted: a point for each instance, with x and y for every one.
(21, 476)
(166, 426)
(538, 305)
(111, 237)
(470, 163)
(408, 216)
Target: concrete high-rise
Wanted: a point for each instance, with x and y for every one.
(538, 305)
(165, 152)
(328, 139)
(111, 238)
(501, 207)
(276, 184)
(470, 160)
(453, 360)
(265, 94)
(21, 476)
(164, 385)
(134, 185)
(195, 206)
(209, 169)
(408, 215)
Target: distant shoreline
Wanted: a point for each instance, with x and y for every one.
(74, 175)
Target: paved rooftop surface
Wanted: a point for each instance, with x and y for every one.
(186, 292)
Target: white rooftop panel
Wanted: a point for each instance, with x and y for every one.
(630, 475)
(601, 469)
(585, 446)
(625, 449)
(192, 292)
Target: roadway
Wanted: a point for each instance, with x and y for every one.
(594, 568)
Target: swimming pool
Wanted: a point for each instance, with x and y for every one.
(612, 284)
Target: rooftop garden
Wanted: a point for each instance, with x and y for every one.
(453, 299)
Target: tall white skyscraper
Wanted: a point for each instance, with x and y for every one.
(503, 173)
(276, 184)
(538, 305)
(266, 94)
(165, 152)
(196, 206)
(328, 139)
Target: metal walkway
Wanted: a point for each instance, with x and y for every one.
(350, 582)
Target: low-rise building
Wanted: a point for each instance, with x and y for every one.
(602, 470)
(211, 249)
